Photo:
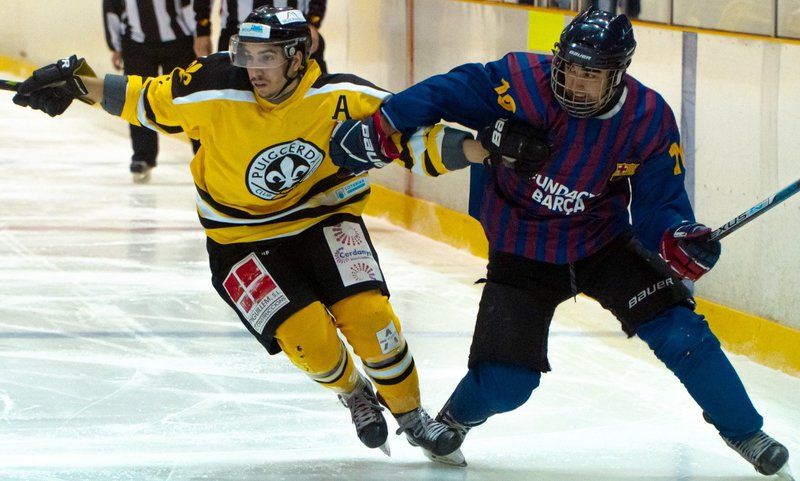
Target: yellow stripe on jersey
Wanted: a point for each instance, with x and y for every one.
(424, 151)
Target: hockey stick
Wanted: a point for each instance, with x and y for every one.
(9, 85)
(755, 211)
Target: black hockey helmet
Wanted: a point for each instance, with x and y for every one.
(280, 26)
(602, 45)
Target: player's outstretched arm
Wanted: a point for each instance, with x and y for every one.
(372, 143)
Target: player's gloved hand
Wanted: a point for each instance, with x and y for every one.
(360, 145)
(688, 251)
(515, 144)
(53, 87)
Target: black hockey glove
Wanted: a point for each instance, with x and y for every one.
(515, 144)
(360, 145)
(52, 88)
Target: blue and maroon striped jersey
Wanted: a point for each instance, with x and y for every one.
(606, 175)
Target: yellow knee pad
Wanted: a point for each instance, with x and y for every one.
(370, 325)
(309, 340)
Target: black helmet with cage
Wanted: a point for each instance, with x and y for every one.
(280, 26)
(599, 46)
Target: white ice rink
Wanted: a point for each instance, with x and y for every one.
(119, 362)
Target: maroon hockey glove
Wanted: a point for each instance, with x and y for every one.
(515, 144)
(688, 251)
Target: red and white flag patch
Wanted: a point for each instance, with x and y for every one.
(254, 291)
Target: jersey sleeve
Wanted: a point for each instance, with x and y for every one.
(659, 199)
(112, 23)
(316, 12)
(202, 17)
(465, 95)
(432, 151)
(149, 103)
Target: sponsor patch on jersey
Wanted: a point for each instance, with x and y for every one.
(624, 170)
(254, 30)
(254, 291)
(290, 16)
(352, 253)
(277, 169)
(558, 197)
(352, 188)
(388, 338)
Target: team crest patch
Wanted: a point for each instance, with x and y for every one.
(277, 169)
(254, 291)
(625, 170)
(352, 253)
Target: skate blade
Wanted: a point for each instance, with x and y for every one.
(785, 473)
(385, 449)
(453, 459)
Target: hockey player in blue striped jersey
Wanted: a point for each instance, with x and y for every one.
(595, 140)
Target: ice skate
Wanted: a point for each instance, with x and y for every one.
(366, 415)
(438, 441)
(140, 170)
(767, 455)
(764, 453)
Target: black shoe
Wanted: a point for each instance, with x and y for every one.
(366, 415)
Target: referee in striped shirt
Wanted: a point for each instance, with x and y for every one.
(145, 36)
(233, 12)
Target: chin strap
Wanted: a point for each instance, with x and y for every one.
(288, 81)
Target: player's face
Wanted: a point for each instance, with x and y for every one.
(266, 68)
(584, 85)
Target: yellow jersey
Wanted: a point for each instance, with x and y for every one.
(263, 171)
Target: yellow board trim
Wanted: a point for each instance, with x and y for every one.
(544, 30)
(429, 219)
(762, 340)
(16, 67)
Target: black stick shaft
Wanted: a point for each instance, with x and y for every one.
(755, 211)
(9, 85)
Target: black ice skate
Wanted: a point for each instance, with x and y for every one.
(438, 441)
(140, 170)
(367, 417)
(764, 453)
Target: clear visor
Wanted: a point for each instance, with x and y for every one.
(583, 91)
(260, 54)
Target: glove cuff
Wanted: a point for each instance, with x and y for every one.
(388, 149)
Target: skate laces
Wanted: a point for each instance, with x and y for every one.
(419, 425)
(448, 420)
(364, 407)
(753, 447)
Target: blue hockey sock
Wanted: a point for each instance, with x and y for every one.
(682, 340)
(491, 388)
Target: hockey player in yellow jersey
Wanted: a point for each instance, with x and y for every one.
(287, 246)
